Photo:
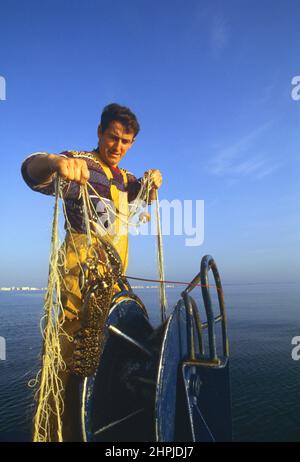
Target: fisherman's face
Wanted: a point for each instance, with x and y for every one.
(114, 142)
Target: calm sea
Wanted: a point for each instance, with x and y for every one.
(265, 380)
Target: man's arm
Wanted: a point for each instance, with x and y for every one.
(41, 168)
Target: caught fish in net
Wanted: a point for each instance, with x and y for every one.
(96, 300)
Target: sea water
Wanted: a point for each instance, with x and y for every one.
(265, 380)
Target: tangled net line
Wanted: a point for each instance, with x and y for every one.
(49, 393)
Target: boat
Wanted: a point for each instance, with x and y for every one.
(164, 384)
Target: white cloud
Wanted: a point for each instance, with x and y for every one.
(237, 160)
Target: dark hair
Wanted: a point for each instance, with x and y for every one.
(121, 114)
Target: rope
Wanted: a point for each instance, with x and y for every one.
(170, 282)
(86, 209)
(49, 394)
(144, 192)
(160, 262)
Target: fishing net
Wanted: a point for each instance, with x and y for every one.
(98, 266)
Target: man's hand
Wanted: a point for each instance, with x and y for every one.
(156, 182)
(69, 168)
(155, 178)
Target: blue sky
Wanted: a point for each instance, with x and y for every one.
(210, 82)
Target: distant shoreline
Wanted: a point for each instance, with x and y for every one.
(21, 289)
(167, 286)
(36, 289)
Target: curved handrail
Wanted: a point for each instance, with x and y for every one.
(208, 263)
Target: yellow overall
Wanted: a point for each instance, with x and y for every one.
(75, 247)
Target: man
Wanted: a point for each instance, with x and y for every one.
(116, 134)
